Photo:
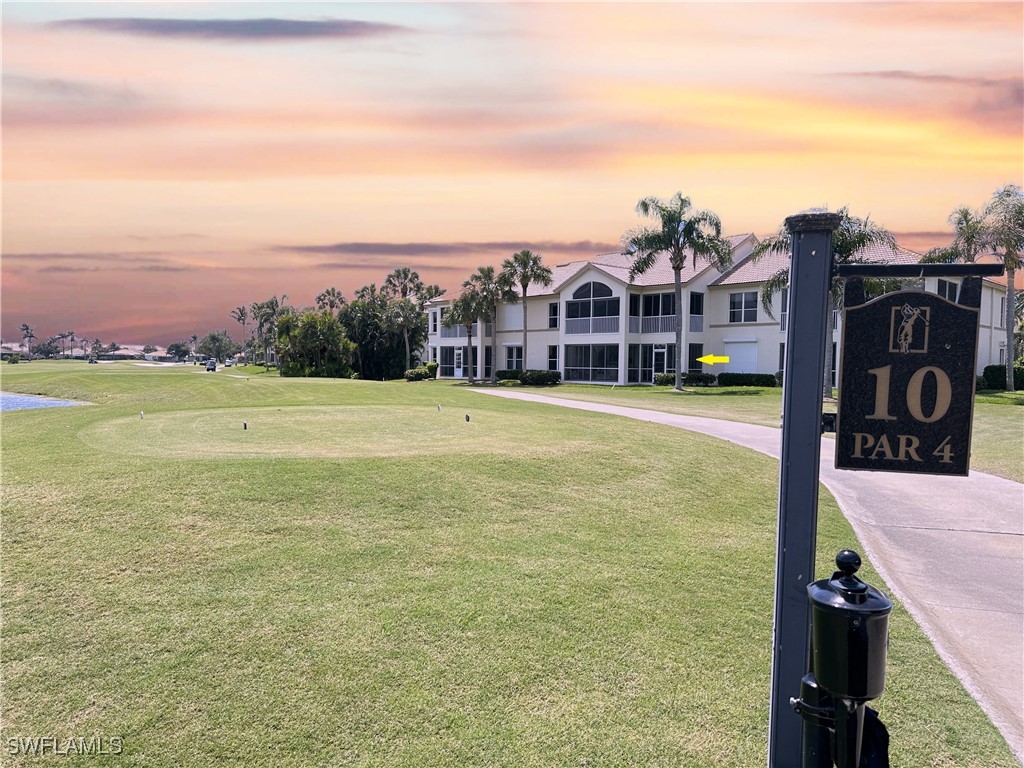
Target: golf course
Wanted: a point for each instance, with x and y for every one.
(234, 568)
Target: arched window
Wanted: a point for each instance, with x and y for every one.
(592, 300)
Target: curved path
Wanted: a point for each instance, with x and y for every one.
(951, 549)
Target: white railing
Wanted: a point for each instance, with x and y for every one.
(634, 325)
(577, 325)
(696, 323)
(658, 324)
(455, 332)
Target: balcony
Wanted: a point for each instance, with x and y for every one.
(696, 323)
(658, 324)
(455, 332)
(578, 325)
(634, 325)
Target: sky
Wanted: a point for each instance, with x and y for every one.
(164, 163)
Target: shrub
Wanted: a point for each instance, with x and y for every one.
(995, 376)
(664, 379)
(981, 384)
(778, 378)
(508, 375)
(699, 379)
(431, 370)
(509, 383)
(419, 373)
(746, 380)
(15, 358)
(539, 378)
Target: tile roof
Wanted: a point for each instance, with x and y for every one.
(750, 271)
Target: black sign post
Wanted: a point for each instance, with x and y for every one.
(810, 278)
(907, 380)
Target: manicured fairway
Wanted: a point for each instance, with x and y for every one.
(360, 578)
(997, 437)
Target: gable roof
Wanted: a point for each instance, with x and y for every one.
(750, 271)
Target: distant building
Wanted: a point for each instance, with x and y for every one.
(593, 325)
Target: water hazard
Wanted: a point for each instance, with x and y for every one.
(10, 401)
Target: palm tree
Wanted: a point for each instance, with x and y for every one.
(331, 299)
(241, 315)
(195, 340)
(406, 315)
(465, 311)
(265, 315)
(681, 231)
(71, 335)
(403, 283)
(850, 239)
(1005, 212)
(27, 334)
(493, 290)
(970, 233)
(523, 269)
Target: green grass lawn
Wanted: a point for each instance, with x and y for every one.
(360, 578)
(997, 439)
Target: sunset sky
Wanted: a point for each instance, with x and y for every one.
(164, 163)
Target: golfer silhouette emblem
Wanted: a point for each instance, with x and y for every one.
(911, 333)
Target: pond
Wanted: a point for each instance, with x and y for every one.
(10, 401)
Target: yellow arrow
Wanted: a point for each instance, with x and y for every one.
(712, 359)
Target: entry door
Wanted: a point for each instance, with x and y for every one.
(659, 360)
(458, 362)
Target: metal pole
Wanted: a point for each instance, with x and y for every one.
(810, 276)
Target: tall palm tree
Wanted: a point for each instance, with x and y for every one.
(61, 337)
(681, 231)
(241, 315)
(493, 290)
(195, 340)
(850, 239)
(265, 315)
(1005, 212)
(525, 268)
(27, 334)
(403, 283)
(331, 299)
(71, 335)
(465, 311)
(405, 314)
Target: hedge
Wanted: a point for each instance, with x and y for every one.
(689, 379)
(539, 378)
(431, 369)
(506, 375)
(746, 380)
(995, 376)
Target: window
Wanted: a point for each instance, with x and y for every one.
(645, 360)
(634, 305)
(593, 300)
(784, 303)
(552, 357)
(696, 303)
(1001, 320)
(433, 354)
(553, 314)
(592, 362)
(1002, 354)
(514, 358)
(659, 304)
(694, 365)
(947, 290)
(743, 307)
(433, 322)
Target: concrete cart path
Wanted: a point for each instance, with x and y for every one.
(951, 549)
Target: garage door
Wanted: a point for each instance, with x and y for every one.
(742, 356)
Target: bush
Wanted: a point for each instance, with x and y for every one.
(431, 370)
(419, 373)
(15, 358)
(778, 378)
(539, 378)
(981, 384)
(699, 379)
(746, 380)
(509, 383)
(664, 379)
(995, 376)
(508, 375)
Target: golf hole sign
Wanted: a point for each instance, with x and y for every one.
(906, 383)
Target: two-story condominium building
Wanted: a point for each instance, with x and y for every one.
(593, 325)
